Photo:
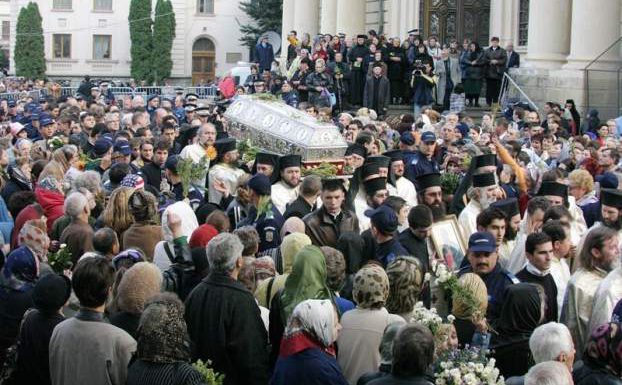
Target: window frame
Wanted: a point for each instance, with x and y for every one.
(203, 4)
(95, 9)
(522, 24)
(109, 46)
(62, 45)
(8, 32)
(55, 6)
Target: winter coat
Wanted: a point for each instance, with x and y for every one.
(586, 375)
(474, 71)
(308, 367)
(384, 94)
(225, 325)
(144, 237)
(264, 56)
(495, 71)
(324, 232)
(443, 77)
(396, 68)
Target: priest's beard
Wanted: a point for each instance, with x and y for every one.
(438, 211)
(485, 202)
(510, 234)
(616, 225)
(611, 266)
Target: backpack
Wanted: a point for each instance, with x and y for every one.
(175, 277)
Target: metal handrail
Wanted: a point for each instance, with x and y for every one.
(504, 86)
(602, 53)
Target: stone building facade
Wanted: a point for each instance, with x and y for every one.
(556, 38)
(92, 37)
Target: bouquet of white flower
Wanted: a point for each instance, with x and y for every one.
(466, 367)
(426, 317)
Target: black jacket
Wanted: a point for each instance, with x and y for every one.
(393, 380)
(152, 174)
(225, 325)
(298, 208)
(584, 374)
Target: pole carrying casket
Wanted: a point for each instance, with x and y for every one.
(273, 126)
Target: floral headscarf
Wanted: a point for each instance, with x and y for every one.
(50, 183)
(316, 317)
(406, 280)
(371, 287)
(20, 271)
(162, 332)
(35, 238)
(604, 348)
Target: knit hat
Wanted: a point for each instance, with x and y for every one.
(51, 292)
(202, 235)
(102, 145)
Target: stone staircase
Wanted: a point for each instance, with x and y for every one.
(473, 112)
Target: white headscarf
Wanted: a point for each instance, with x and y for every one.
(189, 221)
(317, 317)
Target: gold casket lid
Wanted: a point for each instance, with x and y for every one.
(273, 126)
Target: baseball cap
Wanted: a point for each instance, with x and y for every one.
(171, 163)
(101, 146)
(122, 147)
(428, 136)
(482, 241)
(260, 183)
(383, 218)
(45, 120)
(16, 128)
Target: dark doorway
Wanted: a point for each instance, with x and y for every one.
(457, 19)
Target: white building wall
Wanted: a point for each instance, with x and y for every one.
(82, 22)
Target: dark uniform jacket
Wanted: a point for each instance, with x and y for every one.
(420, 165)
(268, 227)
(225, 325)
(496, 282)
(324, 230)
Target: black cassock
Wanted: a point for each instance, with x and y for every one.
(357, 74)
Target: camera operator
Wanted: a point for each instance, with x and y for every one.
(422, 82)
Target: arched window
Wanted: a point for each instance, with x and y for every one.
(523, 22)
(203, 44)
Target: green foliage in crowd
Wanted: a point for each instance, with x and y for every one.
(265, 15)
(163, 36)
(29, 53)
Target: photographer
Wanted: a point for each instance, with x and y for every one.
(422, 82)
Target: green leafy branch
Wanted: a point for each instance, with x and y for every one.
(60, 260)
(211, 377)
(189, 171)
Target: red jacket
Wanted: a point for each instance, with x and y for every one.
(52, 203)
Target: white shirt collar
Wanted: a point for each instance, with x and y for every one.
(535, 271)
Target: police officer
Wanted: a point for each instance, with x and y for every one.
(263, 215)
(423, 162)
(383, 228)
(483, 259)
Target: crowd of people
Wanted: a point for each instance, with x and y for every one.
(371, 70)
(135, 242)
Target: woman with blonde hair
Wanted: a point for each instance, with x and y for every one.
(116, 214)
(469, 306)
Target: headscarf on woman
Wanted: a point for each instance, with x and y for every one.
(290, 246)
(371, 287)
(20, 271)
(33, 234)
(406, 281)
(315, 317)
(306, 281)
(162, 332)
(465, 310)
(521, 313)
(189, 223)
(604, 348)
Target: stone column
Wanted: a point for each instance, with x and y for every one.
(307, 17)
(351, 17)
(549, 32)
(287, 25)
(328, 17)
(403, 16)
(595, 26)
